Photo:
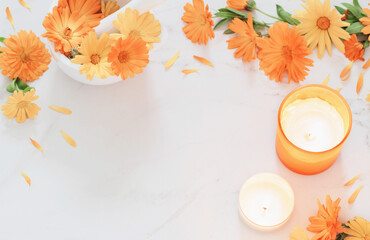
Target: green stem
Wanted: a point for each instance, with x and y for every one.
(279, 19)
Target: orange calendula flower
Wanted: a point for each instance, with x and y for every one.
(94, 56)
(128, 57)
(321, 26)
(237, 4)
(65, 29)
(199, 22)
(90, 9)
(366, 22)
(107, 8)
(246, 42)
(358, 229)
(325, 224)
(284, 50)
(298, 234)
(354, 50)
(24, 56)
(20, 106)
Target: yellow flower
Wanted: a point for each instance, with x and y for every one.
(94, 56)
(358, 229)
(144, 26)
(20, 106)
(321, 25)
(298, 234)
(107, 8)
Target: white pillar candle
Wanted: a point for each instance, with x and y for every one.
(266, 201)
(312, 124)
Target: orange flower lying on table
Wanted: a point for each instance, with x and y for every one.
(65, 29)
(284, 50)
(20, 106)
(237, 4)
(354, 50)
(90, 9)
(246, 42)
(326, 224)
(107, 8)
(321, 25)
(357, 229)
(128, 57)
(199, 22)
(24, 56)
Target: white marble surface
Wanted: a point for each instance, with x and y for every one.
(163, 156)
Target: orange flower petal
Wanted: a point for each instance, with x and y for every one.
(367, 64)
(346, 70)
(360, 82)
(352, 181)
(36, 145)
(10, 17)
(27, 178)
(368, 97)
(338, 89)
(61, 110)
(204, 61)
(346, 78)
(354, 195)
(188, 71)
(68, 139)
(170, 62)
(24, 4)
(326, 81)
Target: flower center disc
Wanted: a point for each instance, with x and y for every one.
(67, 34)
(24, 57)
(287, 53)
(95, 59)
(202, 19)
(134, 33)
(22, 104)
(323, 23)
(123, 57)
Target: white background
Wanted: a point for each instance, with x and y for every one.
(163, 156)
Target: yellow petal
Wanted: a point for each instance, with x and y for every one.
(61, 109)
(188, 71)
(326, 81)
(10, 17)
(170, 62)
(36, 145)
(338, 89)
(368, 97)
(360, 82)
(354, 195)
(24, 4)
(367, 64)
(204, 61)
(27, 178)
(352, 181)
(68, 139)
(346, 70)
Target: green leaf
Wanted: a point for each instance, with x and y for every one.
(258, 26)
(351, 21)
(366, 44)
(356, 4)
(340, 9)
(226, 15)
(11, 86)
(21, 85)
(2, 39)
(251, 5)
(287, 17)
(355, 28)
(237, 12)
(221, 23)
(28, 89)
(228, 31)
(356, 11)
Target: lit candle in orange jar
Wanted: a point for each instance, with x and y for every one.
(314, 121)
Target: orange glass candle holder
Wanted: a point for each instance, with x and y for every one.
(302, 161)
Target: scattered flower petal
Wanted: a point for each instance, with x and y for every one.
(24, 4)
(360, 82)
(338, 89)
(368, 97)
(326, 81)
(346, 71)
(367, 64)
(68, 139)
(188, 71)
(354, 195)
(10, 17)
(352, 181)
(27, 178)
(298, 234)
(36, 145)
(170, 62)
(204, 61)
(61, 110)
